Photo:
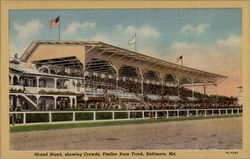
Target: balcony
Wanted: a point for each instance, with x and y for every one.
(35, 90)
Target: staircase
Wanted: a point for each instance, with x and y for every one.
(29, 101)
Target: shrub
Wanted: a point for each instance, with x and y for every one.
(37, 117)
(62, 116)
(121, 115)
(103, 115)
(135, 114)
(83, 116)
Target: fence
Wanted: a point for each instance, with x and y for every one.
(35, 117)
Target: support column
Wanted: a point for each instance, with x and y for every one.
(75, 102)
(205, 85)
(142, 87)
(117, 65)
(84, 80)
(178, 83)
(17, 100)
(117, 81)
(55, 81)
(37, 81)
(70, 84)
(55, 98)
(192, 88)
(18, 79)
(71, 102)
(162, 78)
(11, 79)
(162, 83)
(37, 99)
(11, 100)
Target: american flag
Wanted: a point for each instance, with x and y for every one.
(54, 23)
(178, 59)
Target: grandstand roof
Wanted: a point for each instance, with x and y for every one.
(120, 56)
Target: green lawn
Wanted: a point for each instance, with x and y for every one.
(20, 128)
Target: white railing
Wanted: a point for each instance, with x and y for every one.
(173, 98)
(16, 87)
(113, 115)
(153, 97)
(93, 94)
(33, 90)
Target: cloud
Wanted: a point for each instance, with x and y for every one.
(143, 31)
(190, 28)
(28, 30)
(73, 27)
(231, 41)
(104, 38)
(219, 54)
(222, 57)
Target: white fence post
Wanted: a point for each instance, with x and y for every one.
(205, 112)
(94, 115)
(167, 113)
(143, 115)
(156, 115)
(113, 115)
(178, 113)
(226, 111)
(187, 113)
(238, 111)
(232, 111)
(128, 114)
(74, 116)
(219, 112)
(24, 118)
(212, 112)
(50, 117)
(197, 112)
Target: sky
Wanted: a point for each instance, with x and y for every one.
(208, 39)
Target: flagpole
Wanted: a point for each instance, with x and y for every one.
(59, 28)
(181, 60)
(135, 43)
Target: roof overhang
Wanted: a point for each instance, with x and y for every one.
(110, 51)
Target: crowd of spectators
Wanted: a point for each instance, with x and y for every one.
(94, 80)
(135, 86)
(159, 105)
(128, 85)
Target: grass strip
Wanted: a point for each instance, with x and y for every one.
(21, 128)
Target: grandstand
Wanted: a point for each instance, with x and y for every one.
(56, 75)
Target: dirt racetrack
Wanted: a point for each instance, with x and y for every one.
(224, 133)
